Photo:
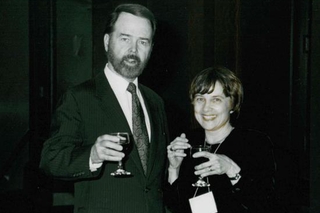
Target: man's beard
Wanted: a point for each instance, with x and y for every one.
(125, 70)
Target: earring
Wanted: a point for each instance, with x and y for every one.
(231, 111)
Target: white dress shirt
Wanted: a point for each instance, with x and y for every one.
(119, 86)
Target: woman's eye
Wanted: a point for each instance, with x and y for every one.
(216, 100)
(199, 99)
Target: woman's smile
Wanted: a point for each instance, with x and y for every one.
(209, 117)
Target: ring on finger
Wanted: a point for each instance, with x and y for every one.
(171, 149)
(210, 168)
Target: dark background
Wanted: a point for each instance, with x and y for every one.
(47, 46)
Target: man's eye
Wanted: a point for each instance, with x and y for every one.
(144, 43)
(124, 39)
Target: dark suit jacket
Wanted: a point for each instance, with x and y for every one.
(86, 112)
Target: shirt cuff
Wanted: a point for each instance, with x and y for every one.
(94, 166)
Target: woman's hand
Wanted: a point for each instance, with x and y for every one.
(176, 151)
(217, 165)
(175, 155)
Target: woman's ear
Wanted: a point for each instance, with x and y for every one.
(106, 39)
(231, 106)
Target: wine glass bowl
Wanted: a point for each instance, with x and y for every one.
(125, 143)
(197, 161)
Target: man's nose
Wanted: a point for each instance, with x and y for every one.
(133, 47)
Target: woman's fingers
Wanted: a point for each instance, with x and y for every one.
(216, 164)
(179, 143)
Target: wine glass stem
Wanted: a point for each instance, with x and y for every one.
(120, 164)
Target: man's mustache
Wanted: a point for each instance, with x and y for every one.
(132, 56)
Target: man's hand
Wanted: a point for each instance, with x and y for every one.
(106, 148)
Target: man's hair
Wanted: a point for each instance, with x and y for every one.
(134, 9)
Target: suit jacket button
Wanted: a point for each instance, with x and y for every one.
(146, 190)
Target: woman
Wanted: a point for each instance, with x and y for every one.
(240, 164)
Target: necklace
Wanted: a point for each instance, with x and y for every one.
(219, 144)
(210, 145)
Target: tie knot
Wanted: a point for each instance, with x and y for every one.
(132, 88)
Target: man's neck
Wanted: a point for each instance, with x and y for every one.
(111, 68)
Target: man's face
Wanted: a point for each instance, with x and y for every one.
(129, 45)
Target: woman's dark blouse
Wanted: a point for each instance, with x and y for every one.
(254, 192)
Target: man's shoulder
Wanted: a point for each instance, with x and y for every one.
(88, 85)
(82, 88)
(148, 92)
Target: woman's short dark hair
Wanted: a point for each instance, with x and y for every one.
(204, 82)
(134, 9)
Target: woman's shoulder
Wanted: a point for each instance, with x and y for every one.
(252, 137)
(250, 132)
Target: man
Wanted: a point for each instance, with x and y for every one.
(81, 148)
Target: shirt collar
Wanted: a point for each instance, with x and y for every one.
(116, 81)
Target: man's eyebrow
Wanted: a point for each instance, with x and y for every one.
(148, 39)
(124, 34)
(143, 38)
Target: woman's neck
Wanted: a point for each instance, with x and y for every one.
(217, 136)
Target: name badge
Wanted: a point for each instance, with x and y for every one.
(204, 203)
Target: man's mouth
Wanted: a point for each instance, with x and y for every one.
(131, 61)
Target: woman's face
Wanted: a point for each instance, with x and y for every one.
(212, 111)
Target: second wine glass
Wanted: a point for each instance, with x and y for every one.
(124, 142)
(197, 161)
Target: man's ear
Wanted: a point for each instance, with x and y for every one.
(151, 48)
(106, 39)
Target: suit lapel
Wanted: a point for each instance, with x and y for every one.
(110, 104)
(151, 109)
(113, 111)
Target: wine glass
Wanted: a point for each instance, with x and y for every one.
(196, 161)
(125, 143)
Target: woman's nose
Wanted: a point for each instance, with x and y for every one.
(207, 106)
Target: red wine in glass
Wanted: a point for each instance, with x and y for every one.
(197, 161)
(125, 143)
